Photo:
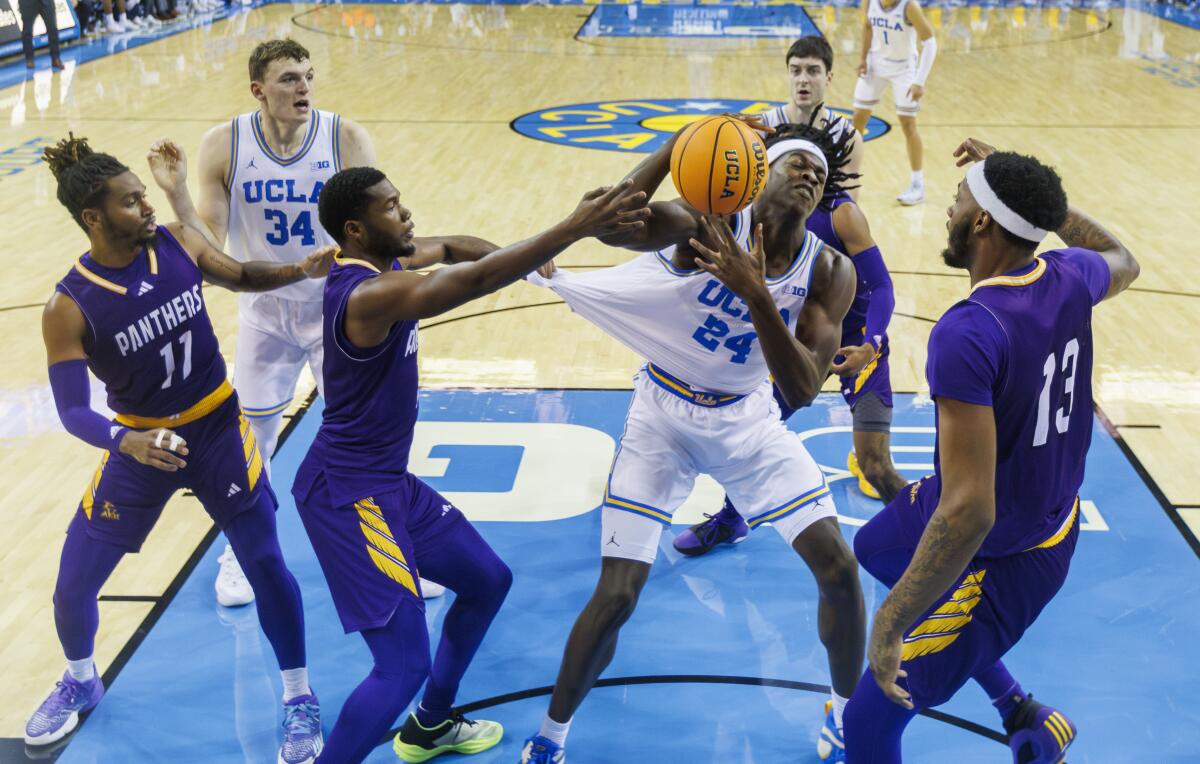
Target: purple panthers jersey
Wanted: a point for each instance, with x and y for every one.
(370, 400)
(1022, 344)
(148, 337)
(820, 222)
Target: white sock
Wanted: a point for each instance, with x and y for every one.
(110, 17)
(555, 732)
(918, 178)
(83, 670)
(295, 683)
(839, 705)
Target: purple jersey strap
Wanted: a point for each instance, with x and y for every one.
(73, 399)
(873, 272)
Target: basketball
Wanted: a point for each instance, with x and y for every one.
(719, 165)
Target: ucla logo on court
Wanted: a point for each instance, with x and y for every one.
(642, 125)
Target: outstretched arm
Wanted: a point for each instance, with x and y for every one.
(253, 276)
(379, 303)
(447, 250)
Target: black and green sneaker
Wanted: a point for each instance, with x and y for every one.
(458, 734)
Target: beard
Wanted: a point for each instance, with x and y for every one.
(955, 254)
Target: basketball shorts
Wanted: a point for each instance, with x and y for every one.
(983, 615)
(276, 337)
(882, 72)
(224, 470)
(669, 439)
(869, 393)
(369, 550)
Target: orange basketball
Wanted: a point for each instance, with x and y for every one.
(719, 164)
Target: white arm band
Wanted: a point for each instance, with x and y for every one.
(925, 64)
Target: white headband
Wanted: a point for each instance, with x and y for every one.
(1008, 220)
(787, 146)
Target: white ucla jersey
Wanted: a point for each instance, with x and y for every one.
(893, 38)
(838, 124)
(686, 322)
(273, 199)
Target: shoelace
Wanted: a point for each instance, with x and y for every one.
(298, 717)
(64, 695)
(711, 527)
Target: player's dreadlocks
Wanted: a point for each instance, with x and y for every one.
(837, 149)
(81, 174)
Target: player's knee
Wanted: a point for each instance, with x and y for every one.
(837, 573)
(496, 581)
(615, 604)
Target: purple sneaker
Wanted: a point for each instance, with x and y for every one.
(302, 738)
(1039, 734)
(725, 527)
(59, 713)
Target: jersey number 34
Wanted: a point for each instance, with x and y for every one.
(300, 228)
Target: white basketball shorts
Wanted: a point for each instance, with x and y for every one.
(276, 337)
(743, 445)
(880, 73)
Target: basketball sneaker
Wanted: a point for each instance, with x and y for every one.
(831, 746)
(232, 587)
(725, 527)
(1038, 734)
(59, 713)
(302, 738)
(539, 750)
(457, 734)
(864, 485)
(914, 194)
(431, 590)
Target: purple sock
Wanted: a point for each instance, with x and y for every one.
(401, 652)
(463, 562)
(276, 593)
(85, 565)
(1002, 689)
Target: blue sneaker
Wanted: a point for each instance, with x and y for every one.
(831, 746)
(539, 750)
(59, 713)
(1039, 734)
(302, 738)
(725, 527)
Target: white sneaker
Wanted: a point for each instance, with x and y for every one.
(914, 194)
(430, 590)
(127, 25)
(232, 587)
(112, 26)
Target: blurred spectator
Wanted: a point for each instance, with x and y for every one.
(30, 10)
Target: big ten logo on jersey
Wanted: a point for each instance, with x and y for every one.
(290, 223)
(715, 332)
(516, 471)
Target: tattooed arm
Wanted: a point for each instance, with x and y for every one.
(1083, 231)
(964, 515)
(253, 276)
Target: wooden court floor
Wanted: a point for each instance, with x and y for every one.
(1092, 92)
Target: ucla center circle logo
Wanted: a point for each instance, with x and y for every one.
(640, 126)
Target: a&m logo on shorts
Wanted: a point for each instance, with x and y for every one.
(643, 125)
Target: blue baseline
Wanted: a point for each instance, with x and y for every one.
(729, 21)
(203, 687)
